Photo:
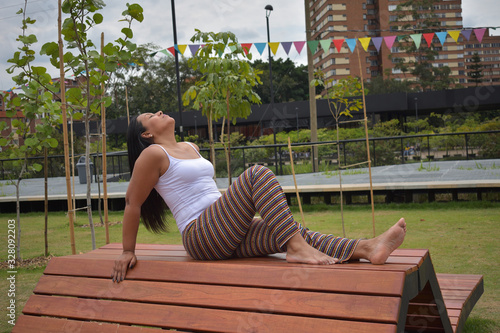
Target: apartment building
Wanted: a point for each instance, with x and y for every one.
(340, 19)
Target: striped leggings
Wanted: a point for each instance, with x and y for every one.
(228, 228)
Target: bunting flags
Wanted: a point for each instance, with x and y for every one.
(365, 42)
(377, 42)
(442, 36)
(417, 39)
(479, 34)
(454, 34)
(339, 43)
(389, 41)
(428, 38)
(286, 46)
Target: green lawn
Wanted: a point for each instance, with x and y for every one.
(461, 237)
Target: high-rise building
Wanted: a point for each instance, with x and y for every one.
(341, 20)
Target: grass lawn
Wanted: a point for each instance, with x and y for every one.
(462, 238)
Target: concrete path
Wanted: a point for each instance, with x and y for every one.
(447, 171)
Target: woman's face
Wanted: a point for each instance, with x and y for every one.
(156, 123)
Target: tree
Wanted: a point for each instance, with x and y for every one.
(34, 129)
(90, 65)
(290, 82)
(225, 88)
(343, 98)
(475, 70)
(379, 86)
(418, 15)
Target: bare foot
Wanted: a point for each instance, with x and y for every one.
(298, 251)
(382, 246)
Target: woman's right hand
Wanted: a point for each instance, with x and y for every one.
(125, 261)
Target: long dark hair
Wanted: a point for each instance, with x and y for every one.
(154, 208)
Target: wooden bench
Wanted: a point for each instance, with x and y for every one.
(167, 289)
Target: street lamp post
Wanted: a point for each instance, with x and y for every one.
(269, 9)
(179, 101)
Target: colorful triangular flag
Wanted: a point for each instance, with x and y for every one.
(325, 44)
(417, 39)
(246, 47)
(299, 46)
(351, 42)
(479, 34)
(194, 48)
(171, 49)
(466, 33)
(232, 48)
(286, 46)
(428, 38)
(260, 47)
(365, 42)
(442, 36)
(182, 48)
(313, 45)
(338, 44)
(377, 42)
(274, 47)
(389, 41)
(454, 34)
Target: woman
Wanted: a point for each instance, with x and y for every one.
(216, 226)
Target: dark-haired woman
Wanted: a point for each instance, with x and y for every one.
(214, 226)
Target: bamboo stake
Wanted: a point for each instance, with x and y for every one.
(295, 182)
(73, 167)
(367, 143)
(65, 130)
(104, 166)
(126, 104)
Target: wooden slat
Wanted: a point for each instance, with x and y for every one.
(303, 277)
(340, 306)
(187, 318)
(30, 324)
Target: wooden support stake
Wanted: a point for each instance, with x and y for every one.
(126, 104)
(367, 143)
(295, 182)
(104, 166)
(65, 131)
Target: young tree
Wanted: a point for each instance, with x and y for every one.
(225, 89)
(419, 16)
(89, 64)
(33, 130)
(475, 70)
(343, 98)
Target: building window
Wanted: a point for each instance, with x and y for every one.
(392, 8)
(364, 5)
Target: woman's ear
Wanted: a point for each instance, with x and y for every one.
(146, 135)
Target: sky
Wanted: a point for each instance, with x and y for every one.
(247, 19)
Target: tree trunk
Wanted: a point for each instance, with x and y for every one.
(88, 175)
(18, 210)
(340, 180)
(228, 153)
(211, 142)
(46, 199)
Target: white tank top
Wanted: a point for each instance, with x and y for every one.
(187, 187)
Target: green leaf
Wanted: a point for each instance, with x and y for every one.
(136, 12)
(98, 18)
(49, 49)
(37, 167)
(38, 70)
(128, 32)
(52, 142)
(30, 142)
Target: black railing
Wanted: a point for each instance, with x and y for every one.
(383, 151)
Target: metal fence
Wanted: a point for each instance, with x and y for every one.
(383, 151)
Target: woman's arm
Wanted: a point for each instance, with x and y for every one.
(147, 170)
